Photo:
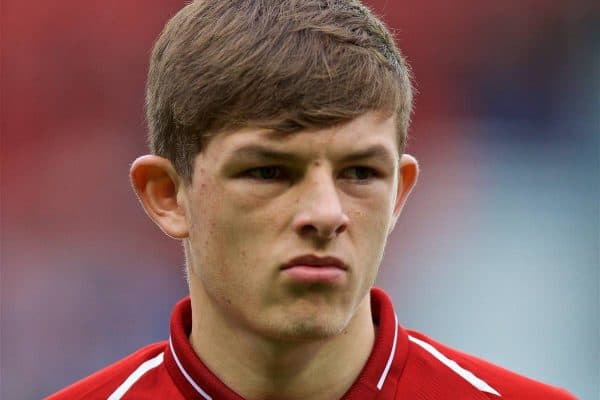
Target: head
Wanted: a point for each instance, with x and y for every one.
(277, 129)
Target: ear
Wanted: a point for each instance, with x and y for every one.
(156, 184)
(408, 172)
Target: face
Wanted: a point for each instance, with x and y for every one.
(259, 200)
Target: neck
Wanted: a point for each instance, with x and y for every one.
(259, 368)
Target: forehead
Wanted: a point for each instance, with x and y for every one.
(368, 130)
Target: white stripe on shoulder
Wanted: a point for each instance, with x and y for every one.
(135, 376)
(186, 375)
(465, 374)
(386, 370)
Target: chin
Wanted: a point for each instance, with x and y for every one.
(308, 328)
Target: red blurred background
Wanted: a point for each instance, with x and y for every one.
(505, 89)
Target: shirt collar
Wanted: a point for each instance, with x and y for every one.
(380, 373)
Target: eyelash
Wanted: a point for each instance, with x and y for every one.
(254, 173)
(372, 173)
(280, 173)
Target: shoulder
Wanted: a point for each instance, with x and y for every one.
(492, 378)
(103, 383)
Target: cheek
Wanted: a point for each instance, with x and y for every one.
(371, 220)
(226, 241)
(372, 210)
(220, 262)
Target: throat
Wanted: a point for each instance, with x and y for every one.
(257, 368)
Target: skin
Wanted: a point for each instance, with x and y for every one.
(246, 213)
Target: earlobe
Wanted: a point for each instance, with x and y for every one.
(156, 185)
(408, 175)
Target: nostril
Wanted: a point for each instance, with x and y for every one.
(308, 230)
(340, 229)
(324, 232)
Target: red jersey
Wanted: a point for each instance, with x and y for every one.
(403, 365)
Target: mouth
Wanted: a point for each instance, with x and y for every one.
(315, 269)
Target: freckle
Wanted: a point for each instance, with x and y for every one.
(317, 163)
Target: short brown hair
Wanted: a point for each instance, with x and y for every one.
(285, 65)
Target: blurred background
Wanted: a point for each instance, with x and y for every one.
(496, 253)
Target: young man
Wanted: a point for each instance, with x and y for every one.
(277, 130)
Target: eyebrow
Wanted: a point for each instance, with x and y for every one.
(376, 151)
(260, 152)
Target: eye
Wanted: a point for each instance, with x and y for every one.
(359, 173)
(268, 173)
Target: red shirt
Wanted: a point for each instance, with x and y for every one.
(403, 365)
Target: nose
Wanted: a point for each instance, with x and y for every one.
(320, 213)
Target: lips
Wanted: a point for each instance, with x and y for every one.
(314, 269)
(316, 262)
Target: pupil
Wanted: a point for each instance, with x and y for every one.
(362, 173)
(268, 172)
